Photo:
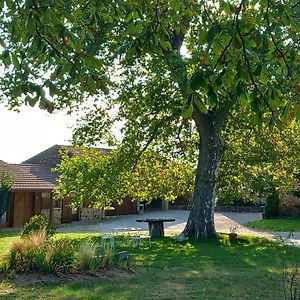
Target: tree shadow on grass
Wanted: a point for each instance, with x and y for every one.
(172, 270)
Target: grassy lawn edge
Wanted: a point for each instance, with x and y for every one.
(280, 224)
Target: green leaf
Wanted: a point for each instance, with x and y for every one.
(31, 100)
(285, 113)
(212, 32)
(198, 81)
(52, 89)
(212, 97)
(15, 61)
(6, 58)
(243, 99)
(264, 76)
(202, 107)
(257, 70)
(239, 88)
(187, 112)
(91, 85)
(30, 26)
(297, 113)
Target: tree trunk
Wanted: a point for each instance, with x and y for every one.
(200, 223)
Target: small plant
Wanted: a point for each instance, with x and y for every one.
(87, 257)
(108, 257)
(62, 257)
(37, 223)
(35, 259)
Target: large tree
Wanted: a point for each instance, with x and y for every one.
(97, 179)
(163, 65)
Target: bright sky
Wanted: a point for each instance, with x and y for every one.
(25, 134)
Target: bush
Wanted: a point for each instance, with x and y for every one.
(87, 257)
(271, 209)
(37, 223)
(62, 257)
(36, 254)
(29, 254)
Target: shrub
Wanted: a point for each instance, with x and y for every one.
(62, 257)
(28, 254)
(108, 257)
(35, 260)
(87, 257)
(37, 223)
(271, 209)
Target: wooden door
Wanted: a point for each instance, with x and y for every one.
(66, 211)
(28, 207)
(23, 208)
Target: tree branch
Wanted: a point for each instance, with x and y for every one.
(282, 55)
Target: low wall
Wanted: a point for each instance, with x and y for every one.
(239, 208)
(90, 214)
(56, 214)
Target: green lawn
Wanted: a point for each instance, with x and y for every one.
(212, 269)
(285, 225)
(6, 238)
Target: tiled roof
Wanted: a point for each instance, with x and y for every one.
(30, 177)
(51, 156)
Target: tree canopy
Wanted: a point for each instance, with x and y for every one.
(158, 67)
(97, 179)
(258, 159)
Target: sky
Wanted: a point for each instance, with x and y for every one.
(28, 132)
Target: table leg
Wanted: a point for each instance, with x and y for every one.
(156, 229)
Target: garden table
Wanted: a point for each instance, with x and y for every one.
(156, 226)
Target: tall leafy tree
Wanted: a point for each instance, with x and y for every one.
(258, 159)
(97, 179)
(163, 66)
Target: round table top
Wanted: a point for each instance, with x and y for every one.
(155, 220)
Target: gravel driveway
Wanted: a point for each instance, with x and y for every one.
(223, 221)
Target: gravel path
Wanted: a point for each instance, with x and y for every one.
(223, 221)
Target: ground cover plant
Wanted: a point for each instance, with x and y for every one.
(278, 224)
(210, 269)
(38, 252)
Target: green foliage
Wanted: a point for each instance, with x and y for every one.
(257, 158)
(6, 180)
(37, 223)
(87, 257)
(271, 209)
(6, 194)
(129, 57)
(102, 179)
(62, 257)
(29, 255)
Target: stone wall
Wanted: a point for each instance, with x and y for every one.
(239, 208)
(90, 214)
(56, 215)
(289, 205)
